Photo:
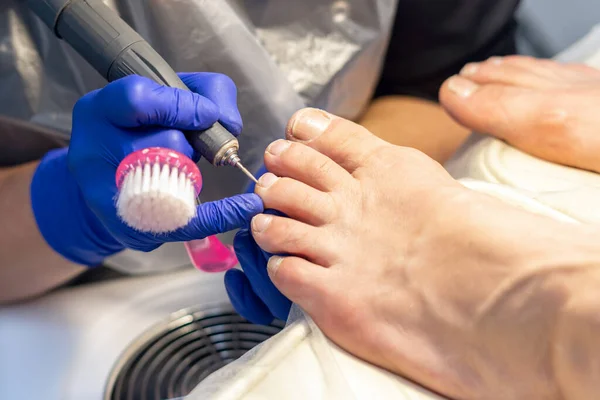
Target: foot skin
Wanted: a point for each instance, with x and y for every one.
(542, 107)
(374, 230)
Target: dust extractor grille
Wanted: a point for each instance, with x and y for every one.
(170, 360)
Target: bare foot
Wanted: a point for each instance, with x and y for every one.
(402, 266)
(545, 108)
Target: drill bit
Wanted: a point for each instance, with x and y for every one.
(245, 171)
(232, 158)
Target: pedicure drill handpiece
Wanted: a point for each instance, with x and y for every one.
(115, 50)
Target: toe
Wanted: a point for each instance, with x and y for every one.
(296, 199)
(280, 235)
(298, 161)
(583, 72)
(526, 62)
(506, 73)
(554, 73)
(542, 67)
(499, 110)
(301, 281)
(346, 143)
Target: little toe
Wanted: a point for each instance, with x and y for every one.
(301, 281)
(296, 199)
(281, 235)
(500, 110)
(346, 143)
(298, 161)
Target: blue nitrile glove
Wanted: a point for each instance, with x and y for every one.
(252, 293)
(73, 193)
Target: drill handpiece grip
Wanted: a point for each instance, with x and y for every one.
(116, 50)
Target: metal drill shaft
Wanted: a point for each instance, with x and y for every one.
(245, 171)
(229, 156)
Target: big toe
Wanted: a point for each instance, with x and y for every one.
(499, 110)
(348, 144)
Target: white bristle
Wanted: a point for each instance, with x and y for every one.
(155, 198)
(137, 180)
(146, 178)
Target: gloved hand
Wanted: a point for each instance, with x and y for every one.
(73, 193)
(251, 292)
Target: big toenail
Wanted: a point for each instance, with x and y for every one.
(261, 222)
(469, 69)
(278, 147)
(462, 87)
(273, 265)
(309, 124)
(267, 180)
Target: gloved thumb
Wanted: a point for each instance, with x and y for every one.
(243, 298)
(220, 216)
(254, 263)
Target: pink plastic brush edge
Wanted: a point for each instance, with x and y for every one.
(162, 156)
(208, 254)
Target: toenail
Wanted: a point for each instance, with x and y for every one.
(462, 87)
(267, 180)
(261, 222)
(278, 147)
(273, 265)
(309, 124)
(469, 69)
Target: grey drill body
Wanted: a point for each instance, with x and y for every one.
(115, 50)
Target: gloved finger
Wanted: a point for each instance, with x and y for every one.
(220, 216)
(254, 263)
(244, 300)
(84, 107)
(157, 137)
(135, 101)
(127, 141)
(221, 90)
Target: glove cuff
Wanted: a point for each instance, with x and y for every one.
(66, 223)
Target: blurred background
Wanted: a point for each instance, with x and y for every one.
(146, 334)
(547, 27)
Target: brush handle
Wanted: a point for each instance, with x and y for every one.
(211, 255)
(116, 50)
